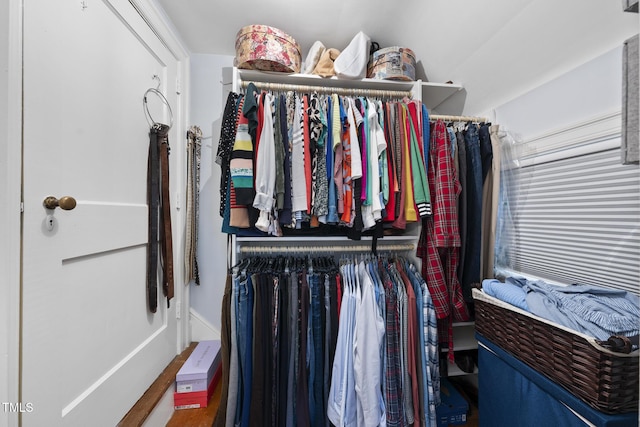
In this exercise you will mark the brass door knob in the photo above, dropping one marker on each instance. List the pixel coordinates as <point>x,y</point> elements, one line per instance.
<point>65,203</point>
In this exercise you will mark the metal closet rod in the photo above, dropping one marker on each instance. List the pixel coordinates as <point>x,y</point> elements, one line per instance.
<point>281,87</point>
<point>322,249</point>
<point>458,118</point>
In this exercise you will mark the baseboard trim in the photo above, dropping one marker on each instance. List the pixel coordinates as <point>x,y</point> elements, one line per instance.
<point>201,328</point>
<point>139,413</point>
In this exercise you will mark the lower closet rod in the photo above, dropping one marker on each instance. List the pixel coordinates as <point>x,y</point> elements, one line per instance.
<point>318,249</point>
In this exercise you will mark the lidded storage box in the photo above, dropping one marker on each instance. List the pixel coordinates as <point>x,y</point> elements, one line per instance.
<point>393,63</point>
<point>264,48</point>
<point>197,372</point>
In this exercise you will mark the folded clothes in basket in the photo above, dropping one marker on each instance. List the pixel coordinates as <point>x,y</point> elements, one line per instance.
<point>592,310</point>
<point>508,291</point>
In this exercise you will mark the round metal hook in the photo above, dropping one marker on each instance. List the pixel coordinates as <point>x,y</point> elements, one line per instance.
<point>165,101</point>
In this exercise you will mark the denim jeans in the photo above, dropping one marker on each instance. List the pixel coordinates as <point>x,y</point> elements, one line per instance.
<point>284,344</point>
<point>315,353</point>
<point>293,351</point>
<point>486,151</point>
<point>234,377</point>
<point>471,268</point>
<point>302,384</point>
<point>452,139</point>
<point>327,340</point>
<point>462,200</point>
<point>244,317</point>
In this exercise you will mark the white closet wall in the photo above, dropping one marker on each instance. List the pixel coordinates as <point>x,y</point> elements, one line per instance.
<point>590,90</point>
<point>206,108</point>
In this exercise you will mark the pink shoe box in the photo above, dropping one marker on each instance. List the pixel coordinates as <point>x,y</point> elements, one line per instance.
<point>197,399</point>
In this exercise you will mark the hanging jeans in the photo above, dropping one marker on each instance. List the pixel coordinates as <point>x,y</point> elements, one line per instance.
<point>315,353</point>
<point>462,200</point>
<point>284,346</point>
<point>293,350</point>
<point>244,319</point>
<point>302,392</point>
<point>234,378</point>
<point>471,268</point>
<point>327,346</point>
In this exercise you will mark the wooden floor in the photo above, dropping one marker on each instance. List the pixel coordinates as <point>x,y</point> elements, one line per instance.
<point>181,418</point>
<point>202,417</point>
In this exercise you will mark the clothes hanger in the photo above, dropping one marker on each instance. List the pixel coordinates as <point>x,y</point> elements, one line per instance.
<point>241,265</point>
<point>246,267</point>
<point>345,273</point>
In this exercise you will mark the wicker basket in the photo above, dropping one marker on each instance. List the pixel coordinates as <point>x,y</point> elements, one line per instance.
<point>605,380</point>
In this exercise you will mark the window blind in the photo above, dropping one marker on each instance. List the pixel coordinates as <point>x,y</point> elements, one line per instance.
<point>574,216</point>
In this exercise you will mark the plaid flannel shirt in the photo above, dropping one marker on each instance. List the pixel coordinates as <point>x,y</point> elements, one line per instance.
<point>440,239</point>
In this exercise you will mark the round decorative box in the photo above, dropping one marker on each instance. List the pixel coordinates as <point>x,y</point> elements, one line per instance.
<point>260,47</point>
<point>393,63</point>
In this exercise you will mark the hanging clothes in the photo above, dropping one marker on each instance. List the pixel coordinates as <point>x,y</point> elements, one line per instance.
<point>471,267</point>
<point>225,144</point>
<point>265,171</point>
<point>490,192</point>
<point>312,340</point>
<point>342,164</point>
<point>440,239</point>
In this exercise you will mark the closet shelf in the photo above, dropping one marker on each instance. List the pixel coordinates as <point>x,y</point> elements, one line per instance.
<point>434,94</point>
<point>468,346</point>
<point>462,324</point>
<point>454,371</point>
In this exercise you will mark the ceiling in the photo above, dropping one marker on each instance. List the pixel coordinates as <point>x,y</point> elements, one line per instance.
<point>496,49</point>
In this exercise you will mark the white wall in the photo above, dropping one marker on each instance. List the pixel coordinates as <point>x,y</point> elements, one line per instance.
<point>541,41</point>
<point>586,92</point>
<point>206,108</point>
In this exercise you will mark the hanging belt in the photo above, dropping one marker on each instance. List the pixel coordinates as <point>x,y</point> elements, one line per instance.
<point>194,142</point>
<point>159,216</point>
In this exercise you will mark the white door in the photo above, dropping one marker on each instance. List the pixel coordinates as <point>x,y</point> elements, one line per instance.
<point>90,347</point>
